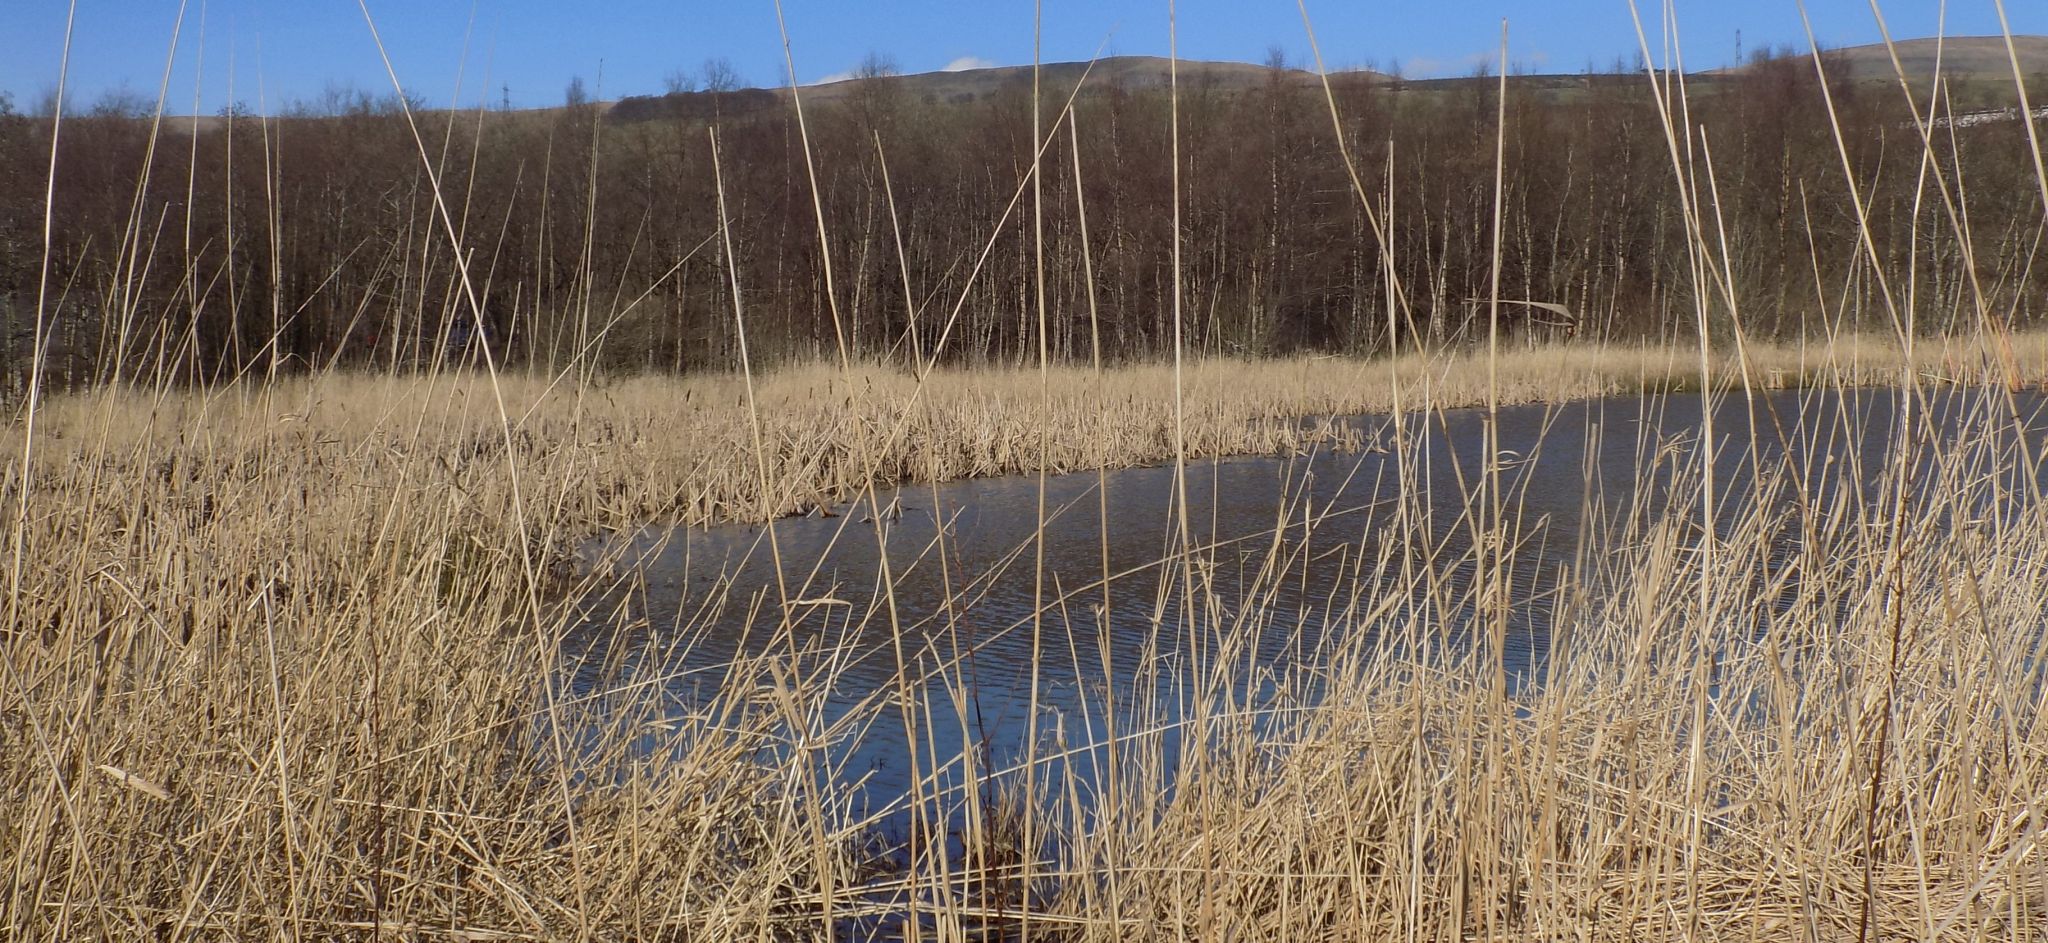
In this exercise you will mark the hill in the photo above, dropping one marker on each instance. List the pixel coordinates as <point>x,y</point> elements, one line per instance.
<point>1962,58</point>
<point>1135,73</point>
<point>1979,62</point>
<point>1131,72</point>
<point>1974,61</point>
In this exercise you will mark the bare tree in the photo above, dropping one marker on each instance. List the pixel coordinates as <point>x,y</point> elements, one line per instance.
<point>1285,257</point>
<point>121,101</point>
<point>45,103</point>
<point>720,76</point>
<point>876,65</point>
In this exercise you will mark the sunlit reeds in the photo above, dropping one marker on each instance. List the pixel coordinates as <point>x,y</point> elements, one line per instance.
<point>286,658</point>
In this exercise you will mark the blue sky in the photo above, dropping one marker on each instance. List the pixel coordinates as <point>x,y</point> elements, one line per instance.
<point>281,51</point>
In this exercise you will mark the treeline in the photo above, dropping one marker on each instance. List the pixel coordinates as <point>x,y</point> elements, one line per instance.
<point>244,244</point>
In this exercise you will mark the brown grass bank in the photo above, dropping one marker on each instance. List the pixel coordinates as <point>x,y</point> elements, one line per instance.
<point>638,450</point>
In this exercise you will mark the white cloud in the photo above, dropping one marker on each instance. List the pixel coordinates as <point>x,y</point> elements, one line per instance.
<point>846,76</point>
<point>965,63</point>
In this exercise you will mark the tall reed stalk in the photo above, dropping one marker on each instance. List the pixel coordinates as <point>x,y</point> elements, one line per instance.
<point>373,655</point>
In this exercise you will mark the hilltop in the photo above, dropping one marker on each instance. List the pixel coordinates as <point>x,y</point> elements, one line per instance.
<point>1131,73</point>
<point>1978,62</point>
<point>1967,60</point>
<point>1962,59</point>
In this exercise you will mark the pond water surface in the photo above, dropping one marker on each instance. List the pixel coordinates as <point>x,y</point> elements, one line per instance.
<point>1295,556</point>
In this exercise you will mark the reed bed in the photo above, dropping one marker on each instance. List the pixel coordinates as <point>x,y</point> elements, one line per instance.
<point>625,452</point>
<point>285,662</point>
<point>331,657</point>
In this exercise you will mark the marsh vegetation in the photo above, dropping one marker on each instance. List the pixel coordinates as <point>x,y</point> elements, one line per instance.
<point>472,638</point>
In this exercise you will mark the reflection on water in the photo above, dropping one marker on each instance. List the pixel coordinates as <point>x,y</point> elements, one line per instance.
<point>1297,561</point>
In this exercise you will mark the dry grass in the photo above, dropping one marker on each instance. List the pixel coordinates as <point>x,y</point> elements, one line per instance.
<point>279,666</point>
<point>290,661</point>
<point>636,450</point>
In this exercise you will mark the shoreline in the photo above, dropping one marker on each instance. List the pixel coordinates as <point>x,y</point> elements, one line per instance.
<point>679,450</point>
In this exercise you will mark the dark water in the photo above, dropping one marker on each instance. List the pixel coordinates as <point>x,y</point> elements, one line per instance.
<point>1294,555</point>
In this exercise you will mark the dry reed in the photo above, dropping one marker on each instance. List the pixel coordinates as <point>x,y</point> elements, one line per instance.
<point>282,662</point>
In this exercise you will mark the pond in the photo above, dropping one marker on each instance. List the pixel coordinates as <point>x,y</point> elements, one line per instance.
<point>981,613</point>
